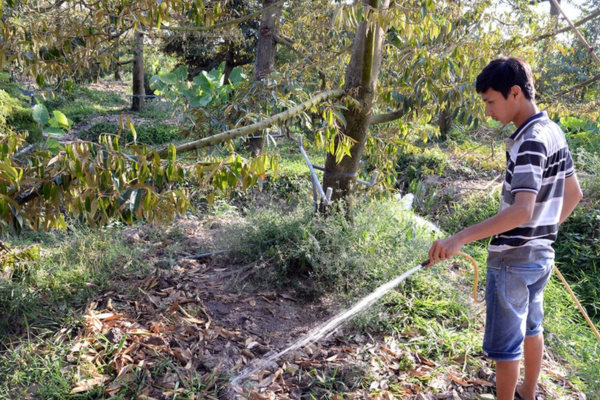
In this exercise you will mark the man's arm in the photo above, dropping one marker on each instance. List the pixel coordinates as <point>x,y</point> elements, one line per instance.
<point>573,196</point>
<point>520,212</point>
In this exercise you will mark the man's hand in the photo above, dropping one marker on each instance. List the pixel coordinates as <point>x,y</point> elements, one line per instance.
<point>443,249</point>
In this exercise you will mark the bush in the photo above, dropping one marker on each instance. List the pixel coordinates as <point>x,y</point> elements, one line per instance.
<point>318,254</point>
<point>578,256</point>
<point>416,165</point>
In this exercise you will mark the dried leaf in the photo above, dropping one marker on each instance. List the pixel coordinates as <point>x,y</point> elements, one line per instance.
<point>88,384</point>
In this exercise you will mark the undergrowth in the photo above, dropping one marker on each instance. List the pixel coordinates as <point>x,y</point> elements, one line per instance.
<point>318,254</point>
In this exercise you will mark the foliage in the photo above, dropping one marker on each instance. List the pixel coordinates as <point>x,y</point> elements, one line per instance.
<point>56,125</point>
<point>318,254</point>
<point>146,132</point>
<point>578,256</point>
<point>98,182</point>
<point>582,133</point>
<point>203,51</point>
<point>207,88</point>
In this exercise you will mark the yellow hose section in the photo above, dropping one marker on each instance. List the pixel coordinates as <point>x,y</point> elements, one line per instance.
<point>476,267</point>
<point>590,323</point>
<point>562,278</point>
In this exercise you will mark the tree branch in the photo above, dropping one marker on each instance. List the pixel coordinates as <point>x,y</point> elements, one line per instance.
<point>579,85</point>
<point>567,28</point>
<point>121,63</point>
<point>226,23</point>
<point>259,126</point>
<point>388,117</point>
<point>287,42</point>
<point>579,35</point>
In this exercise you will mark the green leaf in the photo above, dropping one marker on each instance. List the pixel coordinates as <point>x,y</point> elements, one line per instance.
<point>39,80</point>
<point>236,76</point>
<point>204,82</point>
<point>133,132</point>
<point>40,114</point>
<point>12,173</point>
<point>167,77</point>
<point>54,131</point>
<point>61,118</point>
<point>181,73</point>
<point>201,101</point>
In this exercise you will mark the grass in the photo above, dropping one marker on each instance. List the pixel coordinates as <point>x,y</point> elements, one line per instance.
<point>71,268</point>
<point>315,255</point>
<point>147,132</point>
<point>83,103</point>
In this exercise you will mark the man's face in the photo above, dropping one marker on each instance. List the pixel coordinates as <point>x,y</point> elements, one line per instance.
<point>499,108</point>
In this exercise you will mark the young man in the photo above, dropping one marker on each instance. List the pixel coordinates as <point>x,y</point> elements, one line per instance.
<point>540,191</point>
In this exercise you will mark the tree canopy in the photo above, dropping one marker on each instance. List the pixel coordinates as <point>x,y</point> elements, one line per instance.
<point>356,76</point>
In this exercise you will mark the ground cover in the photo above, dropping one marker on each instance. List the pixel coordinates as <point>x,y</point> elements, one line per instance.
<point>135,312</point>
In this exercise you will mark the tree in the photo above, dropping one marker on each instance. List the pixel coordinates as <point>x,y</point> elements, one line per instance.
<point>138,72</point>
<point>405,64</point>
<point>265,58</point>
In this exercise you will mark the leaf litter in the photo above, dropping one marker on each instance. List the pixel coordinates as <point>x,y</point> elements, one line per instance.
<point>185,332</point>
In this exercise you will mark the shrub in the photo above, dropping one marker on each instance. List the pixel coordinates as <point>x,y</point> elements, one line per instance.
<point>578,256</point>
<point>318,254</point>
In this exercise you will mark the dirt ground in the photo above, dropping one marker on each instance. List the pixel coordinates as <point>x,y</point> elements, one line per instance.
<point>190,327</point>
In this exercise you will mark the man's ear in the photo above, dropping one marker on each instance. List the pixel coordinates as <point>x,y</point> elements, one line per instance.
<point>515,91</point>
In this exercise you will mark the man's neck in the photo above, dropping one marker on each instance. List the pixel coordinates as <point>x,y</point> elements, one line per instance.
<point>528,110</point>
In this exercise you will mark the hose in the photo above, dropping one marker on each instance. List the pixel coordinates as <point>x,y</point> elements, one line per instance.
<point>562,278</point>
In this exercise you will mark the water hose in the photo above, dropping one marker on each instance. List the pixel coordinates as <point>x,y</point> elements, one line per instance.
<point>476,267</point>
<point>562,278</point>
<point>589,321</point>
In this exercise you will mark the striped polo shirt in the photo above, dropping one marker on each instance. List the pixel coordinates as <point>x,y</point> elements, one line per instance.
<point>538,161</point>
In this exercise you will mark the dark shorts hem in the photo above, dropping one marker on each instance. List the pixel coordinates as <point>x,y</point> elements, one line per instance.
<point>500,356</point>
<point>534,332</point>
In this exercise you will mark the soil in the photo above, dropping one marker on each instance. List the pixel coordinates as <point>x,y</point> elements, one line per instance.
<point>196,315</point>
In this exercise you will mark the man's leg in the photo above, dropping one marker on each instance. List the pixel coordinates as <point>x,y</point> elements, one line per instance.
<point>507,375</point>
<point>534,351</point>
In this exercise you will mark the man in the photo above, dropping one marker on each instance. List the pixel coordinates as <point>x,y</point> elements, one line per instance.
<point>540,191</point>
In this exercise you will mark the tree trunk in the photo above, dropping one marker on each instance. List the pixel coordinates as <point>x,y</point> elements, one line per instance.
<point>445,122</point>
<point>138,73</point>
<point>229,64</point>
<point>361,83</point>
<point>265,58</point>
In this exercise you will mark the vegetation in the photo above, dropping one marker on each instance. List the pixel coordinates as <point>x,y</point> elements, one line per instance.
<point>106,214</point>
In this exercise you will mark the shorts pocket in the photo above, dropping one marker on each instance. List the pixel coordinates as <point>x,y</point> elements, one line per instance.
<point>517,281</point>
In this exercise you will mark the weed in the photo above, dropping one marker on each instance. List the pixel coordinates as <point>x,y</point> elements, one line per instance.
<point>469,211</point>
<point>318,254</point>
<point>46,293</point>
<point>414,166</point>
<point>578,256</point>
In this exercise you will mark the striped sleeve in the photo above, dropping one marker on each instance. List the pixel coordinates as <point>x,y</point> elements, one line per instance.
<point>529,167</point>
<point>570,166</point>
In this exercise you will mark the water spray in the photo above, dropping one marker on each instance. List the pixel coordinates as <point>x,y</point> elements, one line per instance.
<point>325,329</point>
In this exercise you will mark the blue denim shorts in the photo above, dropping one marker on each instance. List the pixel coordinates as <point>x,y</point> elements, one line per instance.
<point>514,299</point>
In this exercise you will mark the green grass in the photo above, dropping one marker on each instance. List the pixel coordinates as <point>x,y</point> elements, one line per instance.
<point>324,254</point>
<point>83,103</point>
<point>147,132</point>
<point>72,266</point>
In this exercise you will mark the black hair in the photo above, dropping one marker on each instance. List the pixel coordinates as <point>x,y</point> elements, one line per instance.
<point>503,73</point>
